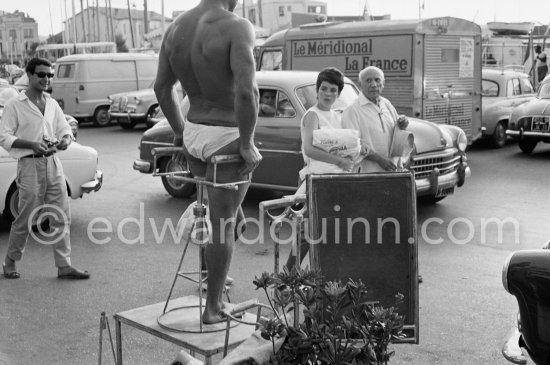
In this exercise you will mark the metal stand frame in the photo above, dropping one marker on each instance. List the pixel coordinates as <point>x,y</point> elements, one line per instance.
<point>199,227</point>
<point>269,208</point>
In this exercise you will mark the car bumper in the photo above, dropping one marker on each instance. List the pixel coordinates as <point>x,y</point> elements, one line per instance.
<point>441,185</point>
<point>93,185</point>
<point>521,134</point>
<point>143,166</point>
<point>126,117</point>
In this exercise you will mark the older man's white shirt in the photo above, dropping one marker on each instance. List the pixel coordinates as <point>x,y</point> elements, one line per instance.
<point>375,125</point>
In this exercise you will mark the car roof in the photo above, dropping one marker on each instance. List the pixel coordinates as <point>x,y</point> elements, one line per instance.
<point>495,72</point>
<point>106,56</point>
<point>294,78</point>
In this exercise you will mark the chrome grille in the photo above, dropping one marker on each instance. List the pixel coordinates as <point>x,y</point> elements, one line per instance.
<point>122,103</point>
<point>423,166</point>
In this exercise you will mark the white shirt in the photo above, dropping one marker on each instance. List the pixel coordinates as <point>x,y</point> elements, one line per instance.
<point>22,119</point>
<point>375,124</point>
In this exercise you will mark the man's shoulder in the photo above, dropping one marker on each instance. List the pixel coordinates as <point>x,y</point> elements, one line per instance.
<point>386,102</point>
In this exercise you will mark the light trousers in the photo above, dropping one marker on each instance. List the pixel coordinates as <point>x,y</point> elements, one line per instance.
<point>42,190</point>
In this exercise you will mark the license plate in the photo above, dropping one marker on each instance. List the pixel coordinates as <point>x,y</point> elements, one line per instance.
<point>540,124</point>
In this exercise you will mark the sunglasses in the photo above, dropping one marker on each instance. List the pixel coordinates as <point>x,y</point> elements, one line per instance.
<point>41,75</point>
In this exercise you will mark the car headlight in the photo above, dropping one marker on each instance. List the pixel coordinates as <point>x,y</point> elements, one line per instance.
<point>462,141</point>
<point>137,100</point>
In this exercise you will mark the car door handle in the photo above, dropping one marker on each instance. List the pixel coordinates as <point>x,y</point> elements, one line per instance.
<point>259,144</point>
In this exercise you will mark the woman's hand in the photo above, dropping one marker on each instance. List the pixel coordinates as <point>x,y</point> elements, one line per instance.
<point>346,164</point>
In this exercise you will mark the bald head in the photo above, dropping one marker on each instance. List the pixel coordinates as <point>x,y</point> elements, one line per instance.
<point>371,81</point>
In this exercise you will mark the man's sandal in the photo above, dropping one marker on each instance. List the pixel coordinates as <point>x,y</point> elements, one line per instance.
<point>10,273</point>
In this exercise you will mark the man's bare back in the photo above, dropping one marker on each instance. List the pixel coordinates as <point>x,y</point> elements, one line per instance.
<point>209,50</point>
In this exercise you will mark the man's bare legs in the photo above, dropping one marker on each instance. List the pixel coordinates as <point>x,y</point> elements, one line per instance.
<point>223,205</point>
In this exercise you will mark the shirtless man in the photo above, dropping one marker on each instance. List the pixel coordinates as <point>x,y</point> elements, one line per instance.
<point>209,50</point>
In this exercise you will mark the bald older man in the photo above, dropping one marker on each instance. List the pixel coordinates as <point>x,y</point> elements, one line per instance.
<point>375,118</point>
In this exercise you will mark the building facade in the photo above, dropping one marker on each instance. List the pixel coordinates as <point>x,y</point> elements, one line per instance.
<point>275,15</point>
<point>98,24</point>
<point>18,32</point>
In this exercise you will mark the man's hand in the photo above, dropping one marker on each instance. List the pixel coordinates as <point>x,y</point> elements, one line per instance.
<point>179,157</point>
<point>40,148</point>
<point>267,110</point>
<point>385,163</point>
<point>251,157</point>
<point>402,122</point>
<point>64,143</point>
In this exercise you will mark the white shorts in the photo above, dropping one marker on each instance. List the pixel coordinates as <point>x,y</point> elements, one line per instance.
<point>202,141</point>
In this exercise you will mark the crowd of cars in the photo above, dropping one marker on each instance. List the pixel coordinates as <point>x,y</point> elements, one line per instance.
<point>511,109</point>
<point>439,158</point>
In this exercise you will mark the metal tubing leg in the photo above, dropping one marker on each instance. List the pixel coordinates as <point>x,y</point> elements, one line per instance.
<point>118,331</point>
<point>101,327</point>
<point>178,270</point>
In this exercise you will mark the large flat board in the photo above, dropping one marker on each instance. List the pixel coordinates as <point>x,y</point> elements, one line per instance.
<point>364,227</point>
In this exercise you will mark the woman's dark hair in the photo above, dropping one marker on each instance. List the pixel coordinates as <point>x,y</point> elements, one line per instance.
<point>331,75</point>
<point>37,61</point>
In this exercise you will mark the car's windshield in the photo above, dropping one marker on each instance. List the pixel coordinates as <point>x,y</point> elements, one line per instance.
<point>544,91</point>
<point>308,96</point>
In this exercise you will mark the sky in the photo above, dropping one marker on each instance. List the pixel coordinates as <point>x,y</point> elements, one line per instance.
<point>50,13</point>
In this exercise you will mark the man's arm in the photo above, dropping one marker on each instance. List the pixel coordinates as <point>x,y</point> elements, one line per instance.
<point>166,96</point>
<point>246,91</point>
<point>8,128</point>
<point>63,130</point>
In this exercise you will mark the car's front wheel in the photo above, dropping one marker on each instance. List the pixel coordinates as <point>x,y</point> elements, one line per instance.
<point>429,199</point>
<point>11,209</point>
<point>498,139</point>
<point>101,117</point>
<point>176,188</point>
<point>150,114</point>
<point>527,145</point>
<point>130,125</point>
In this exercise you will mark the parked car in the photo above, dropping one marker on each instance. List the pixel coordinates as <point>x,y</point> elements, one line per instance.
<point>530,122</point>
<point>79,164</point>
<point>439,159</point>
<point>133,107</point>
<point>83,82</point>
<point>502,91</point>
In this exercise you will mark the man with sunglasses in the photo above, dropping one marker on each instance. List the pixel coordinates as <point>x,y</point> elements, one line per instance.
<point>33,127</point>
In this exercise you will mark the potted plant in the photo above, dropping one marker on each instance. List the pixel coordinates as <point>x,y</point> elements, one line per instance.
<point>337,325</point>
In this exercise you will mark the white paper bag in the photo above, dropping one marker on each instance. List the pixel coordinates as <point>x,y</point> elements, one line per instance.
<point>341,142</point>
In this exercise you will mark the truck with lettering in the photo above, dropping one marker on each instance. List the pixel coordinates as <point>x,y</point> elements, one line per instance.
<point>432,67</point>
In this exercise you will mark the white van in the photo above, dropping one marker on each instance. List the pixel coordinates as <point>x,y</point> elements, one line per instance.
<point>83,82</point>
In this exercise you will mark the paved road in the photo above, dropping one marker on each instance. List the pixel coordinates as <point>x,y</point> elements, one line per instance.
<point>464,312</point>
